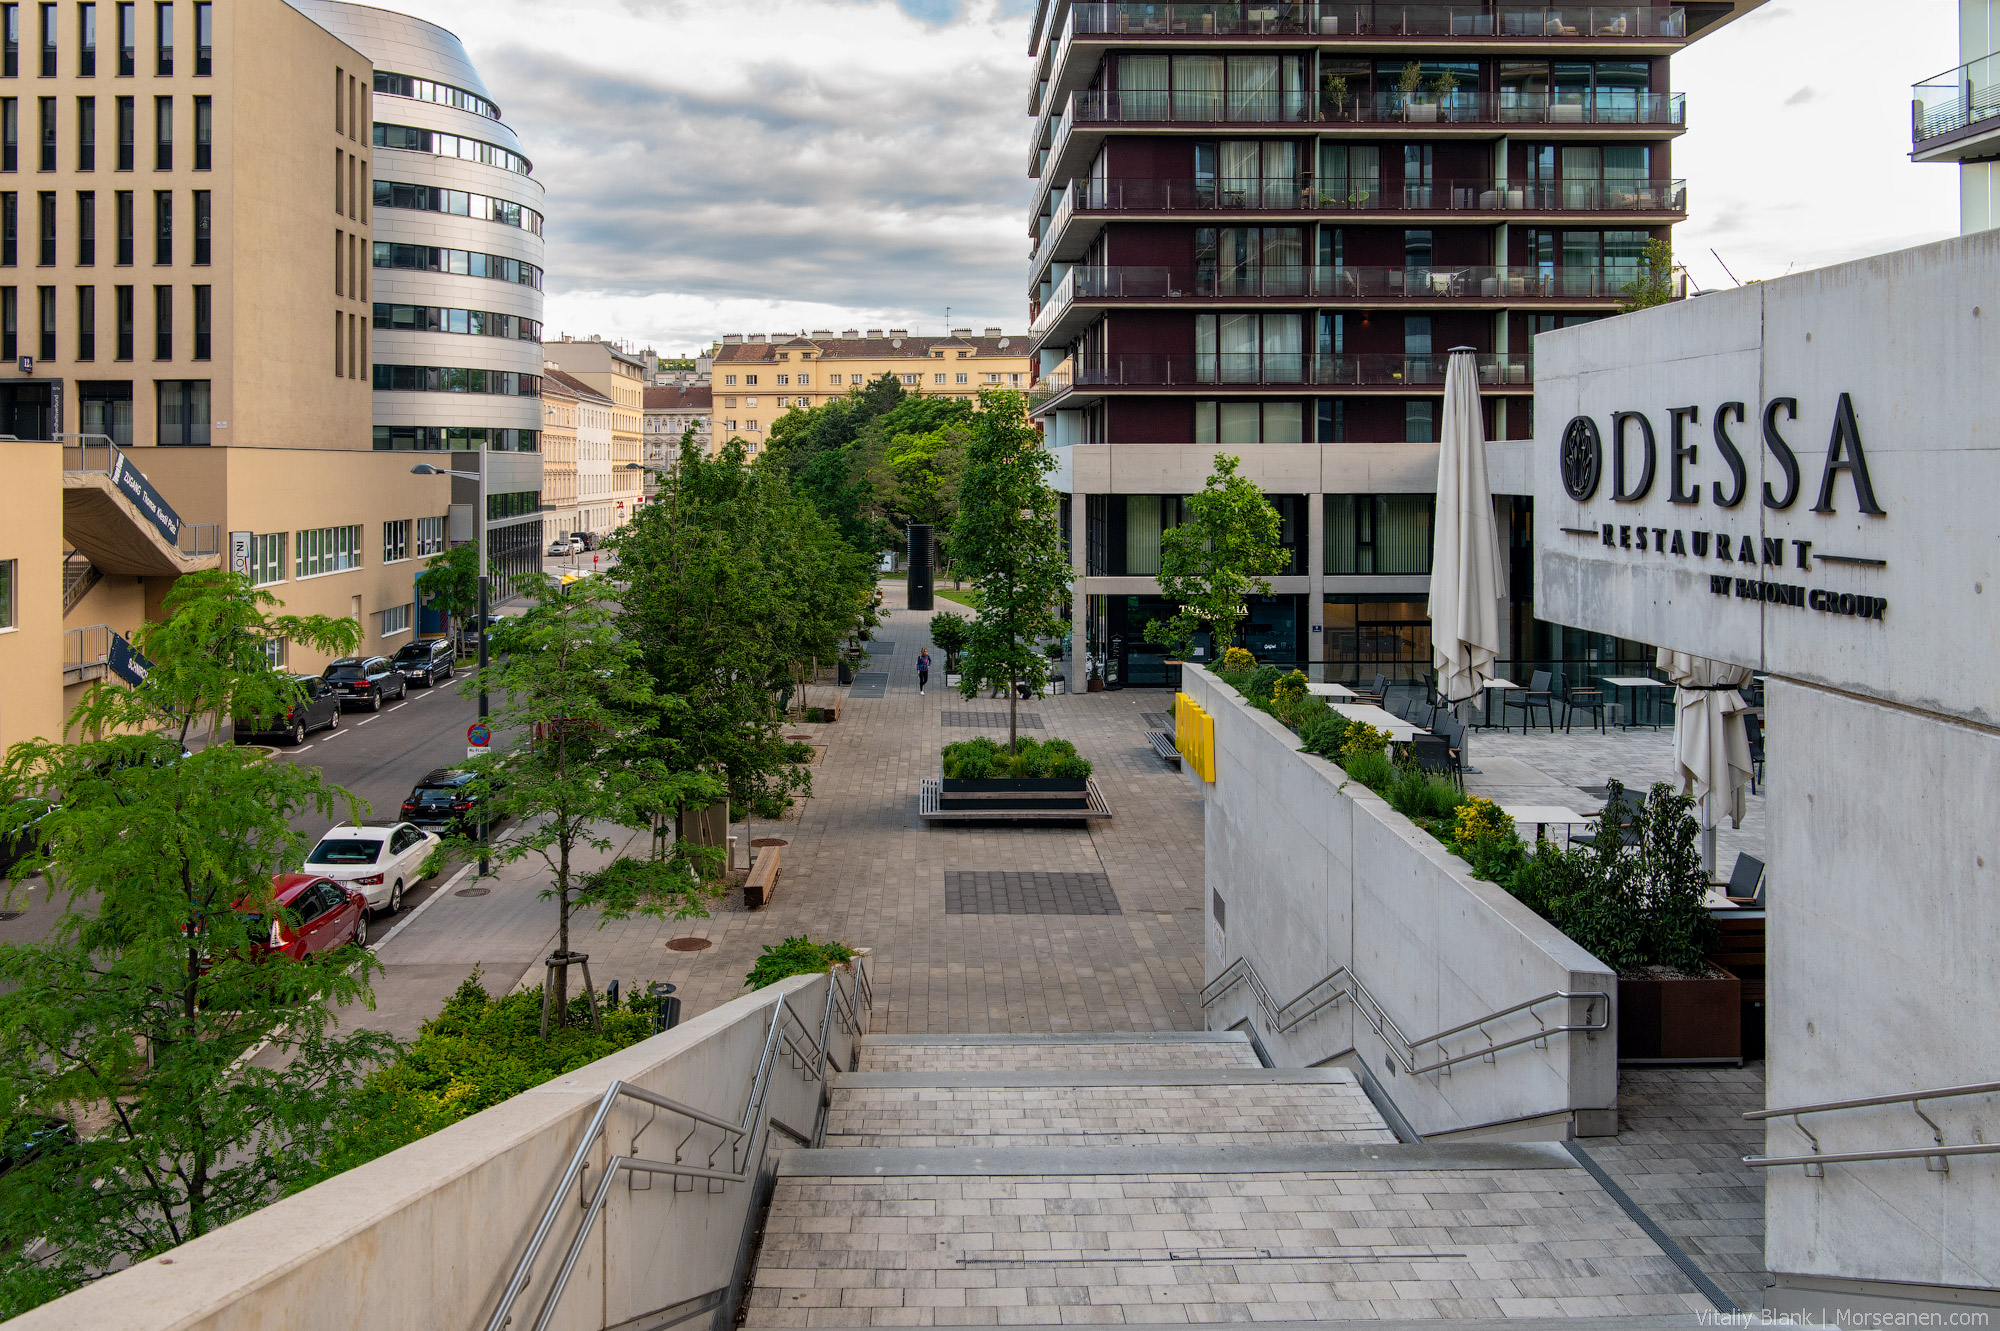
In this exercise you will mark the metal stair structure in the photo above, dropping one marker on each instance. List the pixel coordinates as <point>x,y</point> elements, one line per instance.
<point>1168,1178</point>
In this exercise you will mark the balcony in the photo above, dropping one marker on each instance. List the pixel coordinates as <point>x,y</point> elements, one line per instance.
<point>1479,284</point>
<point>1159,199</point>
<point>1210,372</point>
<point>1955,116</point>
<point>113,517</point>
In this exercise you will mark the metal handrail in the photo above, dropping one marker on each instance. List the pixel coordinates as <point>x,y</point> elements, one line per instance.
<point>1939,1152</point>
<point>743,1137</point>
<point>1385,1027</point>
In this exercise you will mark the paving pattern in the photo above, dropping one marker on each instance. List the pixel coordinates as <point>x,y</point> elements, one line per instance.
<point>989,720</point>
<point>1008,892</point>
<point>891,1054</point>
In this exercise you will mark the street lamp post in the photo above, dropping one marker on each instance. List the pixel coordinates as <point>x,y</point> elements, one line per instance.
<point>479,535</point>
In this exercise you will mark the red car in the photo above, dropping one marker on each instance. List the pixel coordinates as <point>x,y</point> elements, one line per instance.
<point>328,916</point>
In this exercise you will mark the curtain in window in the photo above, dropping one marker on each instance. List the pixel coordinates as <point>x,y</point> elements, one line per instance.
<point>1142,535</point>
<point>1205,348</point>
<point>1284,423</point>
<point>1293,74</point>
<point>1284,258</point>
<point>1284,348</point>
<point>1241,183</point>
<point>1281,173</point>
<point>1204,423</point>
<point>1403,533</point>
<point>1142,87</point>
<point>1253,87</point>
<point>1340,534</point>
<point>1350,173</point>
<point>1198,87</point>
<point>1239,423</point>
<point>1238,346</point>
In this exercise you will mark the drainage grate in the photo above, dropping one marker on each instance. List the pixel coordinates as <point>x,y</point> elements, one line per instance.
<point>880,647</point>
<point>870,684</point>
<point>989,720</point>
<point>1010,892</point>
<point>1154,720</point>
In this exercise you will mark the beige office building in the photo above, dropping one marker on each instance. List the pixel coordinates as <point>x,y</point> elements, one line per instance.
<point>184,303</point>
<point>758,379</point>
<point>620,378</point>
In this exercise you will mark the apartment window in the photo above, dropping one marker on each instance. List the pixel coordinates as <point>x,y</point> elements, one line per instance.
<point>46,108</point>
<point>964,378</point>
<point>1379,533</point>
<point>163,133</point>
<point>184,417</point>
<point>267,558</point>
<point>339,263</point>
<point>86,133</point>
<point>122,202</point>
<point>164,17</point>
<point>750,425</point>
<point>10,323</point>
<point>395,540</point>
<point>48,41</point>
<point>395,620</point>
<point>339,345</point>
<point>7,570</point>
<point>10,228</point>
<point>163,227</point>
<point>992,378</point>
<point>163,323</point>
<point>1226,422</point>
<point>729,379</point>
<point>204,133</point>
<point>911,380</point>
<point>276,652</point>
<point>128,41</point>
<point>10,133</point>
<point>833,379</point>
<point>750,380</point>
<point>514,504</point>
<point>45,234</point>
<point>430,536</point>
<point>202,315</point>
<point>202,227</point>
<point>122,297</point>
<point>784,380</point>
<point>46,305</point>
<point>204,39</point>
<point>326,550</point>
<point>86,51</point>
<point>106,406</point>
<point>1420,422</point>
<point>10,55</point>
<point>937,378</point>
<point>86,323</point>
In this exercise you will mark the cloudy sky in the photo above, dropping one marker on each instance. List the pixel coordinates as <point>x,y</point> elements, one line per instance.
<point>759,165</point>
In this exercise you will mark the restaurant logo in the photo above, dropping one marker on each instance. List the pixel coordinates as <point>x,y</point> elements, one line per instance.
<point>1582,458</point>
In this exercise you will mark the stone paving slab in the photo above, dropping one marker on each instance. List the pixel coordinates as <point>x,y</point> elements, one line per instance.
<point>1193,1052</point>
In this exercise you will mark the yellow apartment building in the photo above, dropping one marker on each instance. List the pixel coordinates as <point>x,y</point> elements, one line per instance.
<point>559,412</point>
<point>758,379</point>
<point>621,377</point>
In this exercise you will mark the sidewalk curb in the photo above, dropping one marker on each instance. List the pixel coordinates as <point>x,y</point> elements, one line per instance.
<point>411,918</point>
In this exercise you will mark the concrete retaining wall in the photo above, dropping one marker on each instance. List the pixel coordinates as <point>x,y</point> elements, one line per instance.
<point>1317,872</point>
<point>426,1237</point>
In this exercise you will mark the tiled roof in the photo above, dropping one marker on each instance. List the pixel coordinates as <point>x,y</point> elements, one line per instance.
<point>680,397</point>
<point>872,348</point>
<point>576,387</point>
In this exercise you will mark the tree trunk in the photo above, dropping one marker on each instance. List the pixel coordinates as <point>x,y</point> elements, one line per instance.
<point>1013,716</point>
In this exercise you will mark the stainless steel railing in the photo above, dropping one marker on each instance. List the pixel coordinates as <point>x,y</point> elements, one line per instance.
<point>744,1137</point>
<point>1936,1157</point>
<point>1339,983</point>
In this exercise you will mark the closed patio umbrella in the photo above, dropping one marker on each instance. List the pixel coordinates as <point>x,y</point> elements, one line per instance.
<point>1465,555</point>
<point>1711,747</point>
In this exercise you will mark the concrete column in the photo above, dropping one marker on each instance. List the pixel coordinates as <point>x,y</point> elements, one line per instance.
<point>1316,597</point>
<point>1079,656</point>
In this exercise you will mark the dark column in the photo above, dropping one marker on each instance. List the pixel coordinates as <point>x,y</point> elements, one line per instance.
<point>922,569</point>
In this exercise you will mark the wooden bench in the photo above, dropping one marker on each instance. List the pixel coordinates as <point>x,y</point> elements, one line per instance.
<point>762,883</point>
<point>1163,744</point>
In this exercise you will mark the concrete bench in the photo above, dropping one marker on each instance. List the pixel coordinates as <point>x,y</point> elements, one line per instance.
<point>762,883</point>
<point>1163,744</point>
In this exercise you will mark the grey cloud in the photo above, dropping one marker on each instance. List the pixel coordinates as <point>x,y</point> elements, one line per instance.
<point>1801,97</point>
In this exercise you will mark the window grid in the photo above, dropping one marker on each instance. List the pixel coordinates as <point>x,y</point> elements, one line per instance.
<point>430,536</point>
<point>395,540</point>
<point>86,323</point>
<point>395,620</point>
<point>321,550</point>
<point>267,558</point>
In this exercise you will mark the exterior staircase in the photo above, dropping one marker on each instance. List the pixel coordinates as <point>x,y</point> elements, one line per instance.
<point>1167,1179</point>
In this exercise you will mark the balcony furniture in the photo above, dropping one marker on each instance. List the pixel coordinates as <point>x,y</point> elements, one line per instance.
<point>1631,684</point>
<point>1537,694</point>
<point>1575,700</point>
<point>1745,888</point>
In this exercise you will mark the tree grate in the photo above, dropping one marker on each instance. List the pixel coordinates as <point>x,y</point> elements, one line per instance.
<point>870,684</point>
<point>1013,892</point>
<point>989,720</point>
<point>1154,720</point>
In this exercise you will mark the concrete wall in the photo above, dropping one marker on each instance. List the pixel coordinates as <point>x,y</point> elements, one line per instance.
<point>1318,872</point>
<point>426,1237</point>
<point>31,645</point>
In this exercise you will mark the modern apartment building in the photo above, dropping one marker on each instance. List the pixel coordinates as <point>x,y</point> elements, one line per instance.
<point>454,279</point>
<point>672,411</point>
<point>758,379</point>
<point>1955,116</point>
<point>1260,228</point>
<point>609,430</point>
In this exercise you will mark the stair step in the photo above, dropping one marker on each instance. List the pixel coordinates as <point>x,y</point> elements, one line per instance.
<point>1121,1107</point>
<point>1129,1049</point>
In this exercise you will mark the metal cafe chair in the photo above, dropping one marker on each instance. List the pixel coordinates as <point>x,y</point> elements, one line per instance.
<point>1537,694</point>
<point>1575,700</point>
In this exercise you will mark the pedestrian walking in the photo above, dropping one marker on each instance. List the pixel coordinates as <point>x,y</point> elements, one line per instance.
<point>923,671</point>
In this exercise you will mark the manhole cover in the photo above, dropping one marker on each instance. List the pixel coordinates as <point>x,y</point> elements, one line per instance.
<point>688,944</point>
<point>770,841</point>
<point>472,891</point>
<point>798,739</point>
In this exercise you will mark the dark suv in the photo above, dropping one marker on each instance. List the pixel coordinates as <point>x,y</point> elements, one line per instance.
<point>428,661</point>
<point>442,802</point>
<point>321,707</point>
<point>364,681</point>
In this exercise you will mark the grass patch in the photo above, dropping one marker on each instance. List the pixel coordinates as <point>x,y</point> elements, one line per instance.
<point>966,597</point>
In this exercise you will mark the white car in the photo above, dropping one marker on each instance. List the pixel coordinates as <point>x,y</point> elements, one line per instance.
<point>381,860</point>
<point>565,545</point>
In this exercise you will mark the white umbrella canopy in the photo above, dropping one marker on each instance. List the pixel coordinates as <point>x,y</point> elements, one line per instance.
<point>1465,555</point>
<point>1711,746</point>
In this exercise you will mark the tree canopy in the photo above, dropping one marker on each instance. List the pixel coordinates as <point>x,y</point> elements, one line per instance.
<point>1224,551</point>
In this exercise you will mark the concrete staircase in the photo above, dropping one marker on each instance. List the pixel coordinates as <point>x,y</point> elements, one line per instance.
<point>1169,1179</point>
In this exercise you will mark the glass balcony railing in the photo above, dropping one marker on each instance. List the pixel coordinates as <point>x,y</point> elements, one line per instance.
<point>1278,369</point>
<point>1276,18</point>
<point>1341,283</point>
<point>1955,100</point>
<point>1604,106</point>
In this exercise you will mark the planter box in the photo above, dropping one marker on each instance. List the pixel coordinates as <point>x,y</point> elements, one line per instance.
<point>1012,792</point>
<point>1680,1021</point>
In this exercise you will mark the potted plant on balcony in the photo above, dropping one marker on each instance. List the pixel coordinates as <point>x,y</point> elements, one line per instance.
<point>1333,97</point>
<point>980,773</point>
<point>1411,85</point>
<point>1441,90</point>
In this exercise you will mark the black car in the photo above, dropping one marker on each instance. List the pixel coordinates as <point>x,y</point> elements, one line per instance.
<point>364,681</point>
<point>321,708</point>
<point>443,802</point>
<point>429,661</point>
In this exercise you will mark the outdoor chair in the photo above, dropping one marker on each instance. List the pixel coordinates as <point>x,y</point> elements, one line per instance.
<point>1452,731</point>
<point>1537,694</point>
<point>1374,693</point>
<point>1575,700</point>
<point>1753,730</point>
<point>1745,887</point>
<point>1618,817</point>
<point>1433,755</point>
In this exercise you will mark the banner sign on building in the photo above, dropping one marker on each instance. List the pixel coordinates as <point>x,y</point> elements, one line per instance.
<point>126,663</point>
<point>239,552</point>
<point>129,481</point>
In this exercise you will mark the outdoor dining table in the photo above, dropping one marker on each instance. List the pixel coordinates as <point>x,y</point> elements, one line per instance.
<point>1329,691</point>
<point>1394,726</point>
<point>1632,684</point>
<point>1541,815</point>
<point>1493,685</point>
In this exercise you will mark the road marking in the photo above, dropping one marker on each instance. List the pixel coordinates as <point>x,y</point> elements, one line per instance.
<point>425,905</point>
<point>363,723</point>
<point>334,734</point>
<point>303,747</point>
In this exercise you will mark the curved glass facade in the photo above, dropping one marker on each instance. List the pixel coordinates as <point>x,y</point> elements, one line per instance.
<point>455,379</point>
<point>416,139</point>
<point>455,439</point>
<point>458,203</point>
<point>429,90</point>
<point>476,323</point>
<point>463,263</point>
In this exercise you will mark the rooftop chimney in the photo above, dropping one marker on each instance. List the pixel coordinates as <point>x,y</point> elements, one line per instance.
<point>992,332</point>
<point>850,332</point>
<point>961,332</point>
<point>899,332</point>
<point>756,337</point>
<point>822,332</point>
<point>874,332</point>
<point>732,339</point>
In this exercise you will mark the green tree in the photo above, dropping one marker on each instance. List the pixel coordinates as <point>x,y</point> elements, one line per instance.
<point>579,708</point>
<point>1010,543</point>
<point>1223,552</point>
<point>732,587</point>
<point>915,478</point>
<point>449,583</point>
<point>1654,283</point>
<point>136,1017</point>
<point>950,632</point>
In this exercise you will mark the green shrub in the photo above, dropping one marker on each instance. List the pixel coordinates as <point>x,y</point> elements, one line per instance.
<point>1289,688</point>
<point>1263,680</point>
<point>1238,659</point>
<point>1325,734</point>
<point>1417,794</point>
<point>1371,767</point>
<point>1360,740</point>
<point>795,956</point>
<point>980,757</point>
